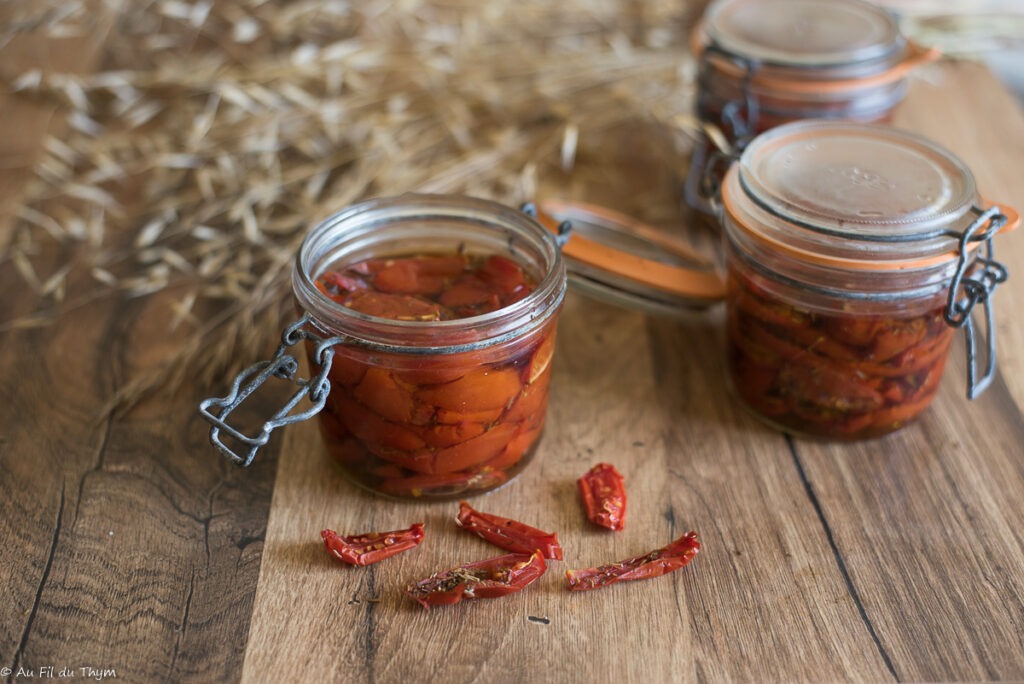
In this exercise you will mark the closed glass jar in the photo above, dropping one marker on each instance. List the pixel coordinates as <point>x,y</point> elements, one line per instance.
<point>432,408</point>
<point>763,63</point>
<point>768,62</point>
<point>843,243</point>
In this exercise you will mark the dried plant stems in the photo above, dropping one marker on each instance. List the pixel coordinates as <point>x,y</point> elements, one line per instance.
<point>216,134</point>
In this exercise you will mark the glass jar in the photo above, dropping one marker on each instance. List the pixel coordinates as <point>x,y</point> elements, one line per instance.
<point>763,63</point>
<point>422,408</point>
<point>853,250</point>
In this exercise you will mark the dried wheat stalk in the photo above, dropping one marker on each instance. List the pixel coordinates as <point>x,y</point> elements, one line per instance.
<point>216,134</point>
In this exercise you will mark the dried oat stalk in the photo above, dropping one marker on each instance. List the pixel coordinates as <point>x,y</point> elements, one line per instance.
<point>215,134</point>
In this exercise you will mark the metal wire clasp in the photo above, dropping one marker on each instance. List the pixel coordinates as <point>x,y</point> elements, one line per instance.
<point>564,228</point>
<point>740,116</point>
<point>739,119</point>
<point>977,279</point>
<point>282,365</point>
<point>703,188</point>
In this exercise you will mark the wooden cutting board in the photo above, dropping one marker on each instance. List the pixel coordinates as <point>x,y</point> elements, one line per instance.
<point>899,558</point>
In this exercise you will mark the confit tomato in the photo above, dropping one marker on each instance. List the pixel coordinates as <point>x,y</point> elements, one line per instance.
<point>435,425</point>
<point>838,375</point>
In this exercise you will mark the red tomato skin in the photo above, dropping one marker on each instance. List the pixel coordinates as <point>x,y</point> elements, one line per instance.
<point>602,490</point>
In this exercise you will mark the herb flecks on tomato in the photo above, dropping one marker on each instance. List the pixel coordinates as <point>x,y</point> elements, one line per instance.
<point>490,578</point>
<point>603,492</point>
<point>372,547</point>
<point>652,564</point>
<point>508,534</point>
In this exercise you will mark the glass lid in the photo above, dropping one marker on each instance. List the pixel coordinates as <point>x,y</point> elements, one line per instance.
<point>616,258</point>
<point>803,33</point>
<point>882,189</point>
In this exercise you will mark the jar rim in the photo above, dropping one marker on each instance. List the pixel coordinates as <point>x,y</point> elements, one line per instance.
<point>806,34</point>
<point>786,71</point>
<point>855,196</point>
<point>428,337</point>
<point>892,194</point>
<point>747,222</point>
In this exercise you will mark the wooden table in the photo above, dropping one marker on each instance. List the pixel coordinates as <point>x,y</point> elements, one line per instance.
<point>130,547</point>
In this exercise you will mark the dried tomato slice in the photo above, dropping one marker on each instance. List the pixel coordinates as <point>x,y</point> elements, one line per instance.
<point>653,564</point>
<point>508,534</point>
<point>604,496</point>
<point>365,549</point>
<point>488,578</point>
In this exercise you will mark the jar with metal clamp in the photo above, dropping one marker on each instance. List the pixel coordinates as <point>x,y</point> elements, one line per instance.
<point>429,323</point>
<point>853,253</point>
<point>763,63</point>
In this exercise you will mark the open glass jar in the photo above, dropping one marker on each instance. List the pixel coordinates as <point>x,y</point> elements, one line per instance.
<point>763,63</point>
<point>853,251</point>
<point>430,326</point>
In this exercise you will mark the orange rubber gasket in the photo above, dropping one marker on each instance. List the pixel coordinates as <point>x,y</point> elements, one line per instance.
<point>677,280</point>
<point>728,203</point>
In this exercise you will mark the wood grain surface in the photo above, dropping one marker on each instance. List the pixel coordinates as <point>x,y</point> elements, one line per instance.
<point>131,546</point>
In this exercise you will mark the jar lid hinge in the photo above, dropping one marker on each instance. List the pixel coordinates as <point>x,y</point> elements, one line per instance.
<point>285,366</point>
<point>741,115</point>
<point>977,288</point>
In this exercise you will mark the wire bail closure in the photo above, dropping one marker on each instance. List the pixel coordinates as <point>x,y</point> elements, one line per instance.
<point>564,228</point>
<point>703,188</point>
<point>978,287</point>
<point>285,366</point>
<point>741,116</point>
<point>704,180</point>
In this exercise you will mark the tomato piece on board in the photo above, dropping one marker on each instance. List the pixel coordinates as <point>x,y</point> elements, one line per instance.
<point>508,534</point>
<point>652,564</point>
<point>364,549</point>
<point>488,578</point>
<point>603,491</point>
